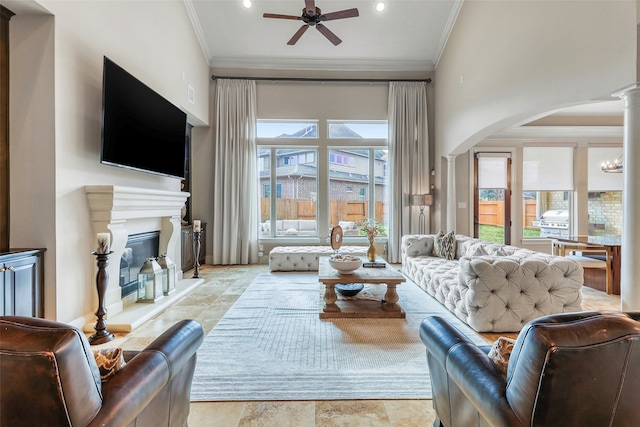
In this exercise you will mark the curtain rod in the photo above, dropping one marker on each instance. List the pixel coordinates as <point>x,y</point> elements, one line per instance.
<point>304,79</point>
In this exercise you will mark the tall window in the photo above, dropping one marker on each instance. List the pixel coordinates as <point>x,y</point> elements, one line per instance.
<point>547,184</point>
<point>354,162</point>
<point>295,174</point>
<point>604,192</point>
<point>365,173</point>
<point>492,201</point>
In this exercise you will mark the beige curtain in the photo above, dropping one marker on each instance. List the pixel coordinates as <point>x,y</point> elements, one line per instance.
<point>408,159</point>
<point>235,209</point>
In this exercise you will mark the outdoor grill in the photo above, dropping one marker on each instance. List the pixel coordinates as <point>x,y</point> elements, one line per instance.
<point>554,223</point>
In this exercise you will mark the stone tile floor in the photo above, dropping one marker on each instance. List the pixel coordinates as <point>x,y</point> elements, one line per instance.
<point>209,302</point>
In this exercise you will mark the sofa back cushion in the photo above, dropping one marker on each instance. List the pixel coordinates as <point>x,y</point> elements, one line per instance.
<point>49,374</point>
<point>306,225</point>
<point>417,245</point>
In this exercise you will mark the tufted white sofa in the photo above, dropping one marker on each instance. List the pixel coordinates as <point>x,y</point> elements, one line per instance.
<point>305,258</point>
<point>291,227</point>
<point>497,292</point>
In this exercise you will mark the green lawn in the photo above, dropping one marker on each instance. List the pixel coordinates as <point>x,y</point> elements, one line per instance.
<point>494,233</point>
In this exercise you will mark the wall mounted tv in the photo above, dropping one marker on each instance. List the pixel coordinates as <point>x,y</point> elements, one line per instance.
<point>141,130</point>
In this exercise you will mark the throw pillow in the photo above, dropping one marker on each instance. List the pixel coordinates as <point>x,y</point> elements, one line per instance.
<point>110,361</point>
<point>501,351</point>
<point>444,245</point>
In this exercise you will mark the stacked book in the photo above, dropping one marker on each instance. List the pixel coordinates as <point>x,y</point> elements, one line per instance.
<point>375,264</point>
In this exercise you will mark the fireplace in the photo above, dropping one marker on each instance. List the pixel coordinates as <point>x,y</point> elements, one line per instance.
<point>139,247</point>
<point>127,212</point>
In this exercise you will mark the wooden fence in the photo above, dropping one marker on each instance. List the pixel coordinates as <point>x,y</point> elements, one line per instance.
<point>489,212</point>
<point>341,210</point>
<point>492,213</point>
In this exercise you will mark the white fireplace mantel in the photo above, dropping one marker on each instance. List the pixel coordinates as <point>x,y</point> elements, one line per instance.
<point>122,211</point>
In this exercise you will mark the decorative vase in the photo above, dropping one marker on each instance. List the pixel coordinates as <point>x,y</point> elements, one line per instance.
<point>371,252</point>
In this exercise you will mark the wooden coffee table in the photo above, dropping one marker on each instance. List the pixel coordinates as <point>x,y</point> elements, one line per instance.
<point>386,307</point>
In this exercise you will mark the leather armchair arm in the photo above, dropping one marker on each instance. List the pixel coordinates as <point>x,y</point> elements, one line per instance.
<point>129,392</point>
<point>178,343</point>
<point>468,365</point>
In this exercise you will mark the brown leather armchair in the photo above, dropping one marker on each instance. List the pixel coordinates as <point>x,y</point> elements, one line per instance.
<point>573,369</point>
<point>49,377</point>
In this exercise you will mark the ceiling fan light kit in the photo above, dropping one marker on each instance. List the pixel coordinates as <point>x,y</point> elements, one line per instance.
<point>312,16</point>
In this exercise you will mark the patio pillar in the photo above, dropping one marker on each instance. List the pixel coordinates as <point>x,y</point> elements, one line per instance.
<point>630,267</point>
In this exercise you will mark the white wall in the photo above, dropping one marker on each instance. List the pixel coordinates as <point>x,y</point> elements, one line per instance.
<point>506,62</point>
<point>155,42</point>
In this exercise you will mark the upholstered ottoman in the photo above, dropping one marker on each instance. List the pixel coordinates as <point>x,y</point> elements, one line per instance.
<point>305,258</point>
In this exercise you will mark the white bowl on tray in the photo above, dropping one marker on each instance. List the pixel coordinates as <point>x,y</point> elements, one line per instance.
<point>345,264</point>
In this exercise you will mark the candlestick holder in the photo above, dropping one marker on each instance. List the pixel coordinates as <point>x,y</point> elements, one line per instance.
<point>196,253</point>
<point>102,281</point>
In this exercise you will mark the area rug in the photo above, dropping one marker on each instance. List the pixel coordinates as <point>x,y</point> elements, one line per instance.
<point>271,345</point>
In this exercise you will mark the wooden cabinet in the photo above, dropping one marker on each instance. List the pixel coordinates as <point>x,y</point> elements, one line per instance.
<point>5,16</point>
<point>22,282</point>
<point>187,246</point>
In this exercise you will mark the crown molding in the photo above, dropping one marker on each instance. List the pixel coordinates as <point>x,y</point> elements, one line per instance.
<point>320,64</point>
<point>610,134</point>
<point>197,28</point>
<point>446,32</point>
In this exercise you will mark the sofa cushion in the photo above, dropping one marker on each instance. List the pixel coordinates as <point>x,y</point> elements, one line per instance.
<point>477,249</point>
<point>307,225</point>
<point>347,225</point>
<point>444,245</point>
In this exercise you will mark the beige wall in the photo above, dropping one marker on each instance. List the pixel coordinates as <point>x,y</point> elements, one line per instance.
<point>155,42</point>
<point>507,62</point>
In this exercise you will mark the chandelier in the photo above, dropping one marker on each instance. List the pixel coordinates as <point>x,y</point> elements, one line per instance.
<point>613,167</point>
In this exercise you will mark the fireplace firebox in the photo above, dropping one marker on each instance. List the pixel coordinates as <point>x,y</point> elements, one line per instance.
<point>139,247</point>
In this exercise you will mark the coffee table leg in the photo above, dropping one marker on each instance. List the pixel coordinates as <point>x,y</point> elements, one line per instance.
<point>330,298</point>
<point>391,298</point>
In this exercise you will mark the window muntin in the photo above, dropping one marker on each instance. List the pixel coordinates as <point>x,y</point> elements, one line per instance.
<point>287,129</point>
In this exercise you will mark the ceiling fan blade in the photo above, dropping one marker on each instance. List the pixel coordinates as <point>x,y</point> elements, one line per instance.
<point>278,16</point>
<point>310,7</point>
<point>328,34</point>
<point>348,13</point>
<point>297,35</point>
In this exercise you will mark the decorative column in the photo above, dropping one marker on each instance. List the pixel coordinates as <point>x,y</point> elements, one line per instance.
<point>630,268</point>
<point>451,193</point>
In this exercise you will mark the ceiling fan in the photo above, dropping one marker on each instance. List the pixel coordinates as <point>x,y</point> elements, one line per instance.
<point>312,16</point>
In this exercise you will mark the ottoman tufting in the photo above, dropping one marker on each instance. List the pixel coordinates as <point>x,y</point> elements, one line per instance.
<point>305,258</point>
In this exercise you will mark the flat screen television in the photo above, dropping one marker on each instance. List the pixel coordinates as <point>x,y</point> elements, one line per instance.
<point>141,130</point>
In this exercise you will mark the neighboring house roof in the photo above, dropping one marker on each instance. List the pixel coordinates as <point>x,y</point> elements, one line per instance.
<point>311,171</point>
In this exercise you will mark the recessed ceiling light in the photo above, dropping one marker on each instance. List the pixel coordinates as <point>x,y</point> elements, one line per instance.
<point>380,6</point>
<point>247,3</point>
